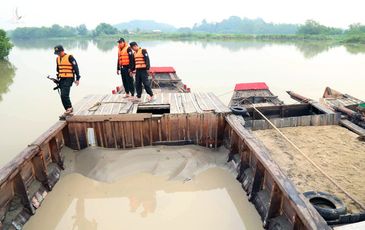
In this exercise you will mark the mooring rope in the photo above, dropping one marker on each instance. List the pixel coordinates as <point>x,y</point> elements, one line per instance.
<point>98,104</point>
<point>310,160</point>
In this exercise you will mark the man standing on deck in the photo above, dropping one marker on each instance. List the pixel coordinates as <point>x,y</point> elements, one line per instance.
<point>67,68</point>
<point>142,66</point>
<point>125,61</point>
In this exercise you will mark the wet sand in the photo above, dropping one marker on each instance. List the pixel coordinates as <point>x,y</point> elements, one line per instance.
<point>335,149</point>
<point>148,188</point>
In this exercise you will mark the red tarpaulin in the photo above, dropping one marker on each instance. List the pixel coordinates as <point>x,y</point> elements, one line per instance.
<point>162,69</point>
<point>251,86</point>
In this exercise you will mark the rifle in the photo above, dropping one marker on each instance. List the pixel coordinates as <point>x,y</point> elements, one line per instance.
<point>56,81</point>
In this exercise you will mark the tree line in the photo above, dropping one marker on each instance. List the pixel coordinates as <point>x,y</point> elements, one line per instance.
<point>232,25</point>
<point>5,45</point>
<point>57,31</point>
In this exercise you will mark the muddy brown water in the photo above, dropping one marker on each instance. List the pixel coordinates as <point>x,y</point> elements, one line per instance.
<point>148,188</point>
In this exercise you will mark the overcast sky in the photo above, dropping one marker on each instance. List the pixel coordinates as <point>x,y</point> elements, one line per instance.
<point>339,13</point>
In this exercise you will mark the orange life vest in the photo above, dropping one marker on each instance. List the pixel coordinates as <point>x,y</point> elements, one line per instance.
<point>65,68</point>
<point>139,59</point>
<point>123,56</point>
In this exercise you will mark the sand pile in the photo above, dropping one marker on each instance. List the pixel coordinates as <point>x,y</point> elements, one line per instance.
<point>335,149</point>
<point>178,163</point>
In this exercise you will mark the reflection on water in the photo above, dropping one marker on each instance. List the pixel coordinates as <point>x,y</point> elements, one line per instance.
<point>355,48</point>
<point>212,200</point>
<point>49,44</point>
<point>309,49</point>
<point>105,44</point>
<point>7,73</point>
<point>312,49</point>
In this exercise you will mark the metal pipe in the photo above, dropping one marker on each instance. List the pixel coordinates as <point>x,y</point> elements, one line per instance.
<point>298,97</point>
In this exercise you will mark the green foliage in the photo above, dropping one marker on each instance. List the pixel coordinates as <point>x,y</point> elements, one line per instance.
<point>312,27</point>
<point>145,26</point>
<point>55,31</point>
<point>236,25</point>
<point>82,30</point>
<point>5,45</point>
<point>105,29</point>
<point>356,28</point>
<point>7,73</point>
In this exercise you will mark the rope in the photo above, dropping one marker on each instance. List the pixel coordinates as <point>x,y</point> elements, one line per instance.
<point>312,162</point>
<point>98,104</point>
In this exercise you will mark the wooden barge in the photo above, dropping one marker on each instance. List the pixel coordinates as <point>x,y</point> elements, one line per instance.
<point>352,110</point>
<point>162,79</point>
<point>174,118</point>
<point>267,113</point>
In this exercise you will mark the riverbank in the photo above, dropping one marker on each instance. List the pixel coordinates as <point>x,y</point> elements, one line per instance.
<point>191,36</point>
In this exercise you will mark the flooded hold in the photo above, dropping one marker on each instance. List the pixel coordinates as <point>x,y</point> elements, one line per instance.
<point>156,188</point>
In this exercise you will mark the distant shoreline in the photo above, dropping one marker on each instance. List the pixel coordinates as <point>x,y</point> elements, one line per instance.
<point>334,39</point>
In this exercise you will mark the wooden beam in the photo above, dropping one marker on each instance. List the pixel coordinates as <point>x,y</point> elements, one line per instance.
<point>353,127</point>
<point>114,117</point>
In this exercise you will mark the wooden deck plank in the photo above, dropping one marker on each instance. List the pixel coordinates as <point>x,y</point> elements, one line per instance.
<point>126,108</point>
<point>188,104</point>
<point>200,102</point>
<point>90,104</point>
<point>208,102</point>
<point>174,107</point>
<point>195,103</point>
<point>100,109</point>
<point>218,103</point>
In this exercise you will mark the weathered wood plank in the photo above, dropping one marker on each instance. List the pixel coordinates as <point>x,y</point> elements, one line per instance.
<point>119,117</point>
<point>353,127</point>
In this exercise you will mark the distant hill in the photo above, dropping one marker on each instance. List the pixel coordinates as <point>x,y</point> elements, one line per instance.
<point>145,25</point>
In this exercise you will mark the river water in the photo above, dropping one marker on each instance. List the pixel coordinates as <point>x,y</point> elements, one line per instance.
<point>28,105</point>
<point>86,198</point>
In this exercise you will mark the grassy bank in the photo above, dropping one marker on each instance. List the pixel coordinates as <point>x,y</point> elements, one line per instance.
<point>344,38</point>
<point>335,39</point>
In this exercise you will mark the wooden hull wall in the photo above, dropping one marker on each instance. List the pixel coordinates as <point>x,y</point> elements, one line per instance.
<point>196,128</point>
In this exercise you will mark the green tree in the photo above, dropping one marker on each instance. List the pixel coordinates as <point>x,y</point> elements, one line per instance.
<point>5,45</point>
<point>82,30</point>
<point>312,27</point>
<point>356,28</point>
<point>7,73</point>
<point>105,29</point>
<point>125,32</point>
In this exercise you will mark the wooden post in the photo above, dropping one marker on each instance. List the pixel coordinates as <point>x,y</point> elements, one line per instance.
<point>274,204</point>
<point>21,190</point>
<point>257,180</point>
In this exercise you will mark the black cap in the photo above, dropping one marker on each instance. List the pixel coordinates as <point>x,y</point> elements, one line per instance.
<point>121,40</point>
<point>58,49</point>
<point>133,44</point>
